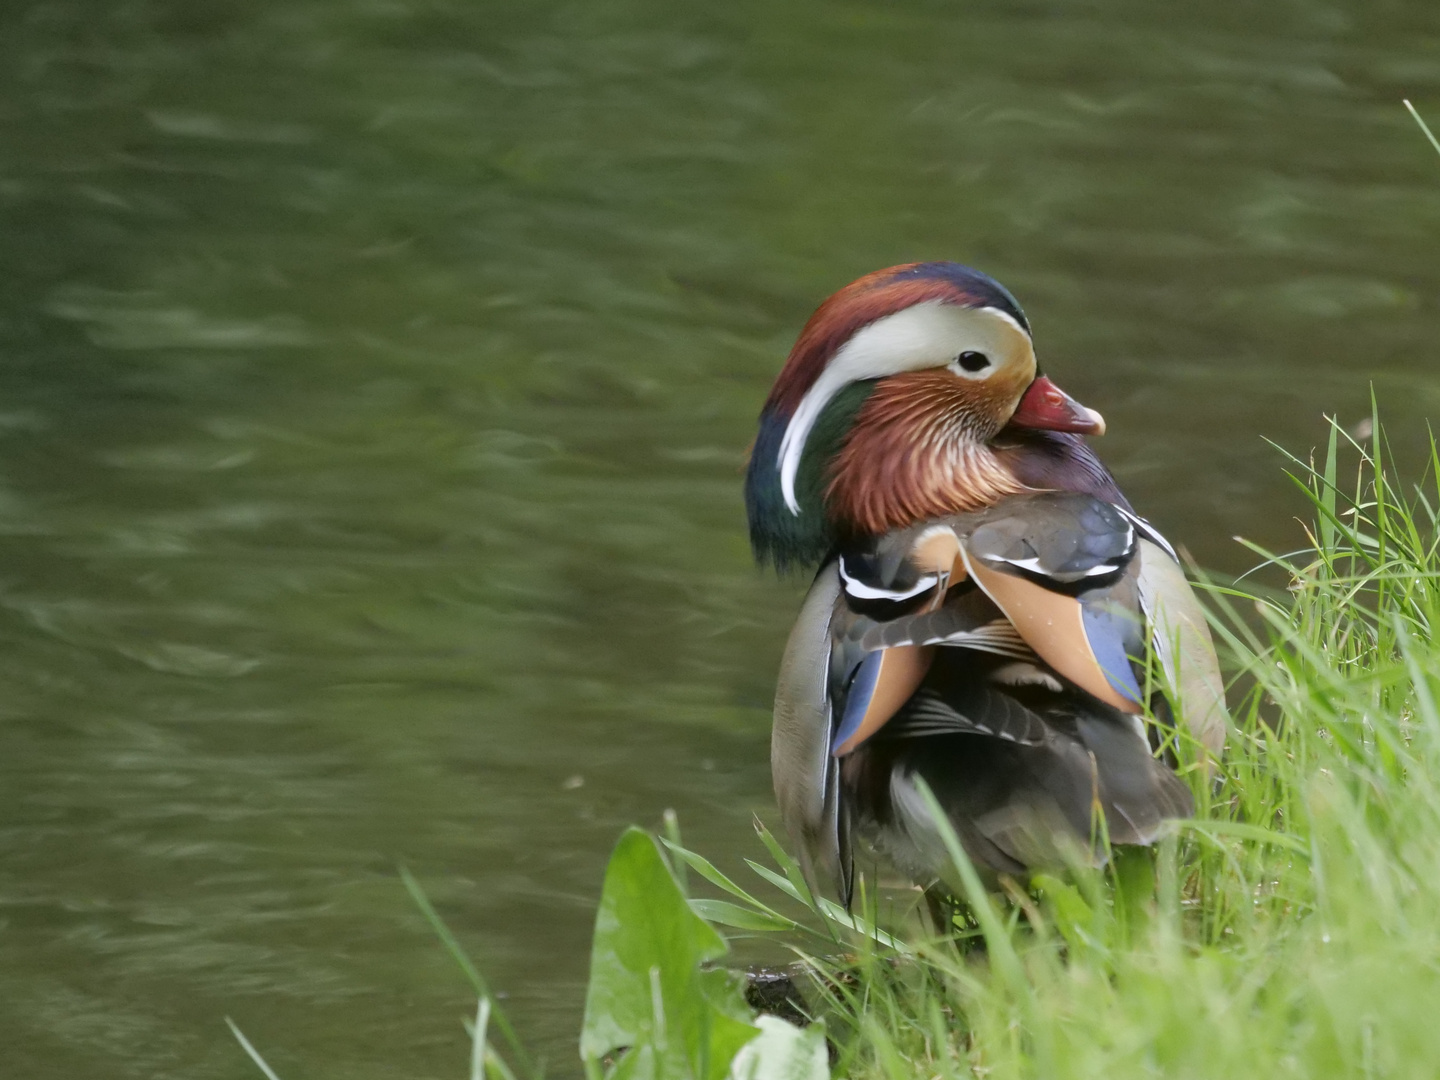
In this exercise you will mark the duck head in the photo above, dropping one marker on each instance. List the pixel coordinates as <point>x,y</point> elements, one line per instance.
<point>885,411</point>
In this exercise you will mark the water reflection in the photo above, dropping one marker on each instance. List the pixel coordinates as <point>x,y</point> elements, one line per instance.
<point>376,383</point>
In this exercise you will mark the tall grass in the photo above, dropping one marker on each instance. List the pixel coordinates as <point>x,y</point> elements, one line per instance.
<point>1292,928</point>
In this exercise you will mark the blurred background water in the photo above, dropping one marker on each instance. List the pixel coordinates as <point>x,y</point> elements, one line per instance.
<point>375,380</point>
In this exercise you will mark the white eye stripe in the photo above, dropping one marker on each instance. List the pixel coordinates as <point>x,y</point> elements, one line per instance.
<point>1009,319</point>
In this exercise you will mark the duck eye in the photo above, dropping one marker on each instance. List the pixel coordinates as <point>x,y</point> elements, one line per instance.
<point>973,361</point>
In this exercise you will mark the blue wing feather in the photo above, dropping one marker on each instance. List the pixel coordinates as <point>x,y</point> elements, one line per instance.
<point>857,701</point>
<point>1112,635</point>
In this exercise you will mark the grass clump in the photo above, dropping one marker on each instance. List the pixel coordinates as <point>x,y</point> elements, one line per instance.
<point>1292,929</point>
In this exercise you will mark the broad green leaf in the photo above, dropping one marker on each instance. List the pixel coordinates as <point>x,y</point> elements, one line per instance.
<point>647,990</point>
<point>638,1063</point>
<point>783,1051</point>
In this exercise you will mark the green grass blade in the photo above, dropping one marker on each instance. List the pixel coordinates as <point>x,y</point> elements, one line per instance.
<point>788,865</point>
<point>1423,126</point>
<point>740,918</point>
<point>477,1040</point>
<point>253,1054</point>
<point>452,946</point>
<point>712,874</point>
<point>1241,831</point>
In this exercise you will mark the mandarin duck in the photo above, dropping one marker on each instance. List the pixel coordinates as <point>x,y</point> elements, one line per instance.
<point>987,605</point>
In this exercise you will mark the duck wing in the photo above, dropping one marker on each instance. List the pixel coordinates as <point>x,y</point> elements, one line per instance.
<point>802,768</point>
<point>844,674</point>
<point>1045,604</point>
<point>1060,567</point>
<point>1181,639</point>
<point>1089,585</point>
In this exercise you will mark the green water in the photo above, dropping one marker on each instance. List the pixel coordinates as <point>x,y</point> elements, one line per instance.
<point>375,380</point>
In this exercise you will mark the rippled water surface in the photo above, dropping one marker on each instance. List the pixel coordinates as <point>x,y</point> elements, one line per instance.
<point>375,379</point>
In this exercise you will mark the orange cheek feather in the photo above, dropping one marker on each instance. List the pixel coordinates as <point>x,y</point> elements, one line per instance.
<point>918,450</point>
